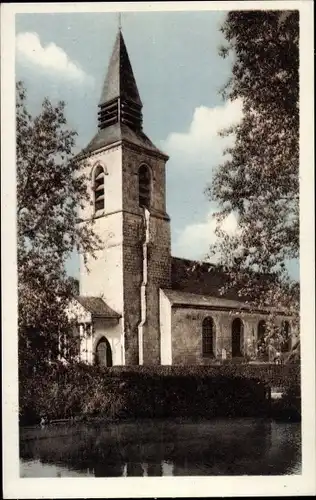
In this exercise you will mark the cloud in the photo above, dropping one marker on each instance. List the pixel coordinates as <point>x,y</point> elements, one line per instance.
<point>194,155</point>
<point>202,143</point>
<point>50,58</point>
<point>195,239</point>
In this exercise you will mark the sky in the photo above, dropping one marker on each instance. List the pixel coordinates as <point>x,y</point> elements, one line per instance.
<point>179,74</point>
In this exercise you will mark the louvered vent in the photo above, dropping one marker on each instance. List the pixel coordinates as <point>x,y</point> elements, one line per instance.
<point>99,189</point>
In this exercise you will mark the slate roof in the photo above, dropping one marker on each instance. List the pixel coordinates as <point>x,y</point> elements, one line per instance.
<point>120,85</point>
<point>120,80</point>
<point>121,132</point>
<point>97,307</point>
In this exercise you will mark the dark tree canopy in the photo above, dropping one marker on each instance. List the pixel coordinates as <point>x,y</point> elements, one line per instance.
<point>259,179</point>
<point>50,187</point>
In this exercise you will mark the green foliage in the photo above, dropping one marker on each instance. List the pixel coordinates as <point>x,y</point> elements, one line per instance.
<point>288,407</point>
<point>86,392</point>
<point>282,375</point>
<point>50,187</point>
<point>60,391</point>
<point>259,180</point>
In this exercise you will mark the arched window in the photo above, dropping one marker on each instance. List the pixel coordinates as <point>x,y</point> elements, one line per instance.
<point>103,353</point>
<point>208,337</point>
<point>144,181</point>
<point>98,188</point>
<point>237,338</point>
<point>286,338</point>
<point>261,341</point>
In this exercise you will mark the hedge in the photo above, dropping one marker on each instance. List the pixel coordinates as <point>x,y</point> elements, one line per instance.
<point>83,391</point>
<point>273,374</point>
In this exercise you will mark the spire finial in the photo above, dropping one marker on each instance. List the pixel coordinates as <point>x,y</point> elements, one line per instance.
<point>120,21</point>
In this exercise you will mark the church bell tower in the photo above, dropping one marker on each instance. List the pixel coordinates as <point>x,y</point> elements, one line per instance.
<point>128,206</point>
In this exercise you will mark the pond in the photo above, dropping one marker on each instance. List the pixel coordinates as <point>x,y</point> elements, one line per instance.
<point>162,448</point>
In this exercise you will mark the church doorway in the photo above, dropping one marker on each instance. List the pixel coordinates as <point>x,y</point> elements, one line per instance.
<point>237,337</point>
<point>103,353</point>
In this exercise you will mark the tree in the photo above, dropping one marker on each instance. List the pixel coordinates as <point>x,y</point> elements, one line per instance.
<point>259,180</point>
<point>50,187</point>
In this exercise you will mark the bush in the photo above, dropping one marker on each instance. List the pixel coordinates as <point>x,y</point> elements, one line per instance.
<point>85,392</point>
<point>288,408</point>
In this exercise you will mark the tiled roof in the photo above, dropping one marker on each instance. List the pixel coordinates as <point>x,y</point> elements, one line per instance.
<point>181,298</point>
<point>97,307</point>
<point>201,279</point>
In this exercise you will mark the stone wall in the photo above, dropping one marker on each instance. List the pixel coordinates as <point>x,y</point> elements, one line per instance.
<point>117,272</point>
<point>132,159</point>
<point>132,278</point>
<point>158,255</point>
<point>186,333</point>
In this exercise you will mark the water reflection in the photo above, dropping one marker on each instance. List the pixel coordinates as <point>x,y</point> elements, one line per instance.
<point>162,448</point>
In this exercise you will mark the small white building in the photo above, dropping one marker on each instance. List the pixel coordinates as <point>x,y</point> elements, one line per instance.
<point>99,329</point>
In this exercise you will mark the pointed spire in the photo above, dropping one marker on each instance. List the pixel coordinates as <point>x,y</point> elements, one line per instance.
<point>120,107</point>
<point>120,100</point>
<point>120,81</point>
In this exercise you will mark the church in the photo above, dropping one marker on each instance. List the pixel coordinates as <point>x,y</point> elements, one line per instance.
<point>137,304</point>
